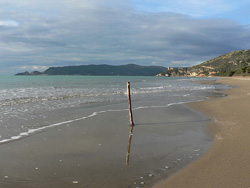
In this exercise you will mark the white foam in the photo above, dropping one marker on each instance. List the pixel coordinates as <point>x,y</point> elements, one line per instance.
<point>15,137</point>
<point>32,131</point>
<point>5,140</point>
<point>164,106</point>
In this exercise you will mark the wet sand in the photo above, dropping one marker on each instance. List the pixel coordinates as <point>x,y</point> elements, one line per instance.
<point>227,163</point>
<point>91,153</point>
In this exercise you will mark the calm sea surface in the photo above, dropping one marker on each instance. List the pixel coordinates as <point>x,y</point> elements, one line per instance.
<point>32,103</point>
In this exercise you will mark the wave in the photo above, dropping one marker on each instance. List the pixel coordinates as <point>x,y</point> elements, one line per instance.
<point>13,97</point>
<point>32,131</point>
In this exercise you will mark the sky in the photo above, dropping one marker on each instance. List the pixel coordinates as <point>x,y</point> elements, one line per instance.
<point>37,34</point>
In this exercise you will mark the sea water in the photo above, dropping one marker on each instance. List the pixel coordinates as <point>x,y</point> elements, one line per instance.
<point>29,104</point>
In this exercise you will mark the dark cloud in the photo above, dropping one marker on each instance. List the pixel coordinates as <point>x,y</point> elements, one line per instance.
<point>66,33</point>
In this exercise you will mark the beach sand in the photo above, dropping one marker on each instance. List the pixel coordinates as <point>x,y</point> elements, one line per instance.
<point>227,163</point>
<point>91,153</point>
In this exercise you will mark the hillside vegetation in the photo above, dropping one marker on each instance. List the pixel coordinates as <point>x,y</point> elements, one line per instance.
<point>233,63</point>
<point>102,70</point>
<point>229,64</point>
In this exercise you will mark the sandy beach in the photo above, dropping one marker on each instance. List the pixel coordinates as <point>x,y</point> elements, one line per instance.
<point>227,163</point>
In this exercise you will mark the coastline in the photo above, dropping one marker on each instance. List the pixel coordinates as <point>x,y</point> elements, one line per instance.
<point>226,163</point>
<point>92,152</point>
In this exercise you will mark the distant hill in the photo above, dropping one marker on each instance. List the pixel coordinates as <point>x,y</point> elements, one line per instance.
<point>103,70</point>
<point>226,64</point>
<point>233,63</point>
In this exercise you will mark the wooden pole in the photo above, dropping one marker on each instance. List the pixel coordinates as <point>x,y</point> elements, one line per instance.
<point>131,123</point>
<point>129,104</point>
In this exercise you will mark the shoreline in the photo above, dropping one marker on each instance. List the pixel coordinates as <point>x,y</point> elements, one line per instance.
<point>89,154</point>
<point>226,163</point>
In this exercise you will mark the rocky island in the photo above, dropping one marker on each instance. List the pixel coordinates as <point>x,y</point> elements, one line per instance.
<point>26,73</point>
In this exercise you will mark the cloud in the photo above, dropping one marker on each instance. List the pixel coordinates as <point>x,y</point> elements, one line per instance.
<point>32,67</point>
<point>204,8</point>
<point>8,23</point>
<point>37,67</point>
<point>57,33</point>
<point>23,67</point>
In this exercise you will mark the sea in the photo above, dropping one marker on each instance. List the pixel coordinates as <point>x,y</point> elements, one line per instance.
<point>29,104</point>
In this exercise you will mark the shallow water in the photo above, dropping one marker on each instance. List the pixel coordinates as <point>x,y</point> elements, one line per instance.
<point>28,102</point>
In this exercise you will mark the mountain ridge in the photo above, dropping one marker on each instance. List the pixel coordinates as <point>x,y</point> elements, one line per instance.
<point>101,70</point>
